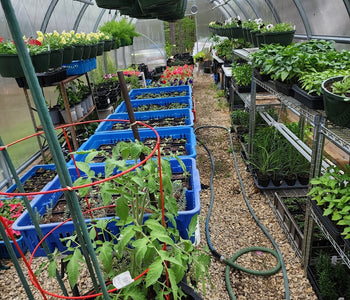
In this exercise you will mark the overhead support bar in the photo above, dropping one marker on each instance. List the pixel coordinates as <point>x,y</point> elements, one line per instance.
<point>337,39</point>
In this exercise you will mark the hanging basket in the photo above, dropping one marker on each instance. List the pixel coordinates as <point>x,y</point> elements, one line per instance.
<point>107,45</point>
<point>56,58</point>
<point>282,38</point>
<point>78,52</point>
<point>114,4</point>
<point>93,50</point>
<point>67,56</point>
<point>236,32</point>
<point>100,48</point>
<point>86,52</point>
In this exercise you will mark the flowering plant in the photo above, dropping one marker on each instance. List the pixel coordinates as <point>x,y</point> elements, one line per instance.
<point>176,75</point>
<point>280,27</point>
<point>10,210</point>
<point>34,46</point>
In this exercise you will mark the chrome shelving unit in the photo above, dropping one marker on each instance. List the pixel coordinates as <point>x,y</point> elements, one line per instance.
<point>322,130</point>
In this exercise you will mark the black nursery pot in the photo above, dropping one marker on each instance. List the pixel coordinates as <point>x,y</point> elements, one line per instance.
<point>303,178</point>
<point>290,179</point>
<point>263,179</point>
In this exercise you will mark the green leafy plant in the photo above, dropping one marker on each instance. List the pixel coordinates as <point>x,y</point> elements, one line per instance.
<point>342,87</point>
<point>240,117</point>
<point>312,82</point>
<point>242,74</point>
<point>120,30</point>
<point>331,191</point>
<point>140,242</point>
<point>279,27</point>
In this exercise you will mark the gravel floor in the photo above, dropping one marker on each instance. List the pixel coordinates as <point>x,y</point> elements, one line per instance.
<point>231,226</point>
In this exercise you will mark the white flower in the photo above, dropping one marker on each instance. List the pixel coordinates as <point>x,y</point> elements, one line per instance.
<point>258,21</point>
<point>238,18</point>
<point>269,26</point>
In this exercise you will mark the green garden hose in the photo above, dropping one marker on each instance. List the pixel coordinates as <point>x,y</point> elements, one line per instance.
<point>231,262</point>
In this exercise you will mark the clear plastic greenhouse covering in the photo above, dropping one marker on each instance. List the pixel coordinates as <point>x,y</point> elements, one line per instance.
<point>323,19</point>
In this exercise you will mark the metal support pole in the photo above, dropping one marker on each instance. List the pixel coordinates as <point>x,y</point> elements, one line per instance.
<point>34,123</point>
<point>15,262</point>
<point>30,211</point>
<point>55,148</point>
<point>252,116</point>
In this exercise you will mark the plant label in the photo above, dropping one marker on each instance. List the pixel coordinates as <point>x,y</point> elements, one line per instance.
<point>122,280</point>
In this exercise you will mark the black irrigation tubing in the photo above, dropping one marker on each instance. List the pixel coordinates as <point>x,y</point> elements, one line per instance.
<point>230,262</point>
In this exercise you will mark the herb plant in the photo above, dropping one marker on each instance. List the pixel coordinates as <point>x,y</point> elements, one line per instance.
<point>342,87</point>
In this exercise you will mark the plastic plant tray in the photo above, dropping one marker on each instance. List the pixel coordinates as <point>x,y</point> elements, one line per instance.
<point>79,67</point>
<point>180,88</point>
<point>29,174</point>
<point>113,137</point>
<point>21,243</point>
<point>27,230</point>
<point>157,101</point>
<point>142,116</point>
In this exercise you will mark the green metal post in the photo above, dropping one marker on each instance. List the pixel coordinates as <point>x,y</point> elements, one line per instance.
<point>30,212</point>
<point>15,261</point>
<point>53,142</point>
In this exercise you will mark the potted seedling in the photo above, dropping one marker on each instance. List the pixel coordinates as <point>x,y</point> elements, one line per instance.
<point>336,97</point>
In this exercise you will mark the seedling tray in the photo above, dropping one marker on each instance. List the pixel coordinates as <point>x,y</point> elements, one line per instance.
<point>113,137</point>
<point>158,104</point>
<point>27,230</point>
<point>149,118</point>
<point>161,90</point>
<point>313,102</point>
<point>30,174</point>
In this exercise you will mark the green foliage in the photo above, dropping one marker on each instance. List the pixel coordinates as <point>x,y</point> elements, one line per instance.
<point>240,117</point>
<point>120,30</point>
<point>242,74</point>
<point>312,82</point>
<point>140,242</point>
<point>333,280</point>
<point>332,192</point>
<point>199,56</point>
<point>186,38</point>
<point>224,49</point>
<point>288,63</point>
<point>279,27</point>
<point>341,87</point>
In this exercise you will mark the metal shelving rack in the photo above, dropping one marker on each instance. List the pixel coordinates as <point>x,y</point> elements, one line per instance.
<point>322,129</point>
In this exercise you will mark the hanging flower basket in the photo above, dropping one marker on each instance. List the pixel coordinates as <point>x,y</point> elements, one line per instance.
<point>78,52</point>
<point>67,56</point>
<point>56,58</point>
<point>100,48</point>
<point>283,38</point>
<point>108,45</point>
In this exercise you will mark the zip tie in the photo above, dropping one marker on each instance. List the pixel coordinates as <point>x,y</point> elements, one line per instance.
<point>133,123</point>
<point>69,188</point>
<point>3,148</point>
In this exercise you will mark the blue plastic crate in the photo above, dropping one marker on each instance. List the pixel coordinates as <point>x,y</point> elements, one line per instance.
<point>29,174</point>
<point>148,82</point>
<point>142,116</point>
<point>79,67</point>
<point>159,101</point>
<point>179,88</point>
<point>21,243</point>
<point>113,137</point>
<point>27,230</point>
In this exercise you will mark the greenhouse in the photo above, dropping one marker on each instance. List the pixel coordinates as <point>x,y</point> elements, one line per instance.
<point>175,149</point>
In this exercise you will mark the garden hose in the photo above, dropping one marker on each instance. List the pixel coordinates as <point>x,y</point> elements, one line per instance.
<point>230,262</point>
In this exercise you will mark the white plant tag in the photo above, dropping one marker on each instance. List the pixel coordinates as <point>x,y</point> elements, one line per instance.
<point>122,280</point>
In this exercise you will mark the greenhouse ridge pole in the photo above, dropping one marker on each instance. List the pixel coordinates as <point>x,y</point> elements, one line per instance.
<point>55,148</point>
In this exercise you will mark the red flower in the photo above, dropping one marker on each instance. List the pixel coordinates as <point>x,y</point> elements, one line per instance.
<point>1,39</point>
<point>33,42</point>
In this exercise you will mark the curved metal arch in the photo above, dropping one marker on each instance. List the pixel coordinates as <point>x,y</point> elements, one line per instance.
<point>347,5</point>
<point>242,9</point>
<point>80,16</point>
<point>98,20</point>
<point>256,11</point>
<point>273,10</point>
<point>48,15</point>
<point>303,18</point>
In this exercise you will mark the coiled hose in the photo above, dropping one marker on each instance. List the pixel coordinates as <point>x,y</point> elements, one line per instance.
<point>231,262</point>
